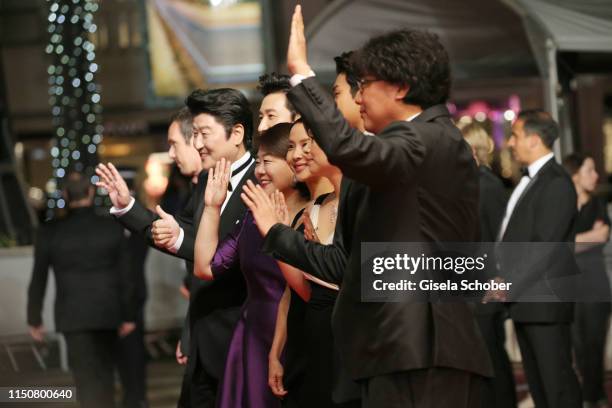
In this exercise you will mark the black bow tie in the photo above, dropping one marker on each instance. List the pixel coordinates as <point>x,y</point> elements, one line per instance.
<point>525,172</point>
<point>237,171</point>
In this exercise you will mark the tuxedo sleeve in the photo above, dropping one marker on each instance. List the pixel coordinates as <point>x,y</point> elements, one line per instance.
<point>557,212</point>
<point>186,336</point>
<point>188,245</point>
<point>602,211</point>
<point>388,158</point>
<point>140,220</point>
<point>40,273</point>
<point>553,227</point>
<point>127,279</point>
<point>326,262</point>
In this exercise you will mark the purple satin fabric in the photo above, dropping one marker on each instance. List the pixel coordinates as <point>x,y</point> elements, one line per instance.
<point>245,380</point>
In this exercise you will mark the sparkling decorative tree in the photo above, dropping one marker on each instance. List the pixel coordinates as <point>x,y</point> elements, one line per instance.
<point>73,94</point>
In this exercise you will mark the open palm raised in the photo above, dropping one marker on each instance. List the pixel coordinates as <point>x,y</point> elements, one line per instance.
<point>216,185</point>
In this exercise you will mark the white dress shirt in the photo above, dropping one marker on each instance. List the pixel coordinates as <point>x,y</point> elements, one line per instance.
<point>234,181</point>
<point>532,169</point>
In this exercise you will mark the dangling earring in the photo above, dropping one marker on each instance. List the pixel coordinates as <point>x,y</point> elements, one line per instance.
<point>295,180</point>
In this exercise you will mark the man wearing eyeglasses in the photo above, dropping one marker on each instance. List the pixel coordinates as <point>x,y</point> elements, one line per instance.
<point>420,184</point>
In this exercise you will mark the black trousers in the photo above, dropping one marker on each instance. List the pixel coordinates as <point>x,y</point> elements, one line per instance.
<point>199,388</point>
<point>427,388</point>
<point>499,391</point>
<point>203,387</point>
<point>589,334</point>
<point>185,396</point>
<point>91,356</point>
<point>132,366</point>
<point>547,358</point>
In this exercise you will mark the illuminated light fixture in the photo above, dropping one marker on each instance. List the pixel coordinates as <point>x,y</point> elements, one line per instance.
<point>74,95</point>
<point>156,168</point>
<point>480,116</point>
<point>509,115</point>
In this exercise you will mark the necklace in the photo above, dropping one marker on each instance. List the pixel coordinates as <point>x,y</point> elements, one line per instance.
<point>333,215</point>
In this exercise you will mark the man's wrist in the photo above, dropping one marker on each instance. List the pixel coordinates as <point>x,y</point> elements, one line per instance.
<point>174,247</point>
<point>300,75</point>
<point>118,212</point>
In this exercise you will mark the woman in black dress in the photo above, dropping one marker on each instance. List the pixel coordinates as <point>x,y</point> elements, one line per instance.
<point>312,367</point>
<point>499,391</point>
<point>591,317</point>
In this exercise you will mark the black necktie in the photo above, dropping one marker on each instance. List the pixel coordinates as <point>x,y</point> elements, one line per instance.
<point>525,172</point>
<point>238,170</point>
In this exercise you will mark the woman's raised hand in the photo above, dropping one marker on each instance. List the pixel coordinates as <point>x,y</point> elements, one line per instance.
<point>216,185</point>
<point>309,229</point>
<point>262,206</point>
<point>280,207</point>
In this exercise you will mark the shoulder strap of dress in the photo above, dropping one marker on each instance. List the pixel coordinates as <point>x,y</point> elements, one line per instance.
<point>314,211</point>
<point>297,217</point>
<point>319,200</point>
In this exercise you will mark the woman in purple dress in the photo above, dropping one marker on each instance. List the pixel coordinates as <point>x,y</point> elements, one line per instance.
<point>245,380</point>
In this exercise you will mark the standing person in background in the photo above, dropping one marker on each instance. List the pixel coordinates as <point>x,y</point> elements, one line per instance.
<point>499,391</point>
<point>541,209</point>
<point>592,315</point>
<point>94,302</point>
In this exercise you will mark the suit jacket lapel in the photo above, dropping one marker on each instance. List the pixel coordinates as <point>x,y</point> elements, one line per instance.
<point>532,182</point>
<point>235,207</point>
<point>518,203</point>
<point>199,191</point>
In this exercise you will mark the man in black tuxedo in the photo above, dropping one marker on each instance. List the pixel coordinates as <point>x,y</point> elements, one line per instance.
<point>94,299</point>
<point>132,366</point>
<point>542,208</point>
<point>222,127</point>
<point>419,183</point>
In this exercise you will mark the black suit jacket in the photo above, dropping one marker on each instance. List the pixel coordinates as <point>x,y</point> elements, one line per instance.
<point>492,206</point>
<point>418,182</point>
<point>214,306</point>
<point>545,213</point>
<point>89,257</point>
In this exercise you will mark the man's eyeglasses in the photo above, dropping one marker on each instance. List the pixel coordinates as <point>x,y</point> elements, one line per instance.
<point>362,83</point>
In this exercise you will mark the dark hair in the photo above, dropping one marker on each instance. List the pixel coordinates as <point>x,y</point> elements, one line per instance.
<point>229,107</point>
<point>574,161</point>
<point>185,120</point>
<point>408,57</point>
<point>273,83</point>
<point>344,65</point>
<point>275,141</point>
<point>541,123</point>
<point>76,187</point>
<point>300,121</point>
